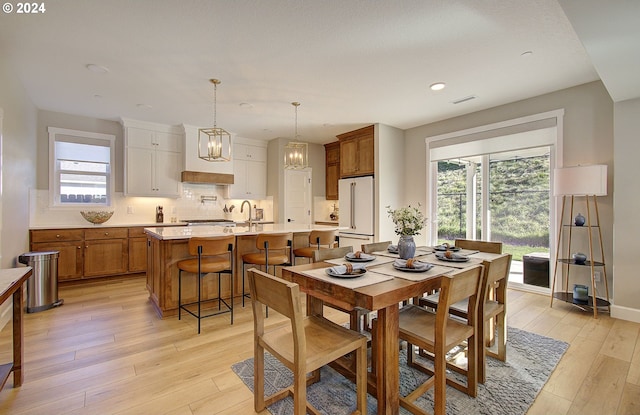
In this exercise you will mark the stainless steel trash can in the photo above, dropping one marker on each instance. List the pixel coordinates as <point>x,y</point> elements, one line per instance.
<point>42,285</point>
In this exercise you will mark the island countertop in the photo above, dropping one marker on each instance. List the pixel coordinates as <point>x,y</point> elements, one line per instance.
<point>186,232</point>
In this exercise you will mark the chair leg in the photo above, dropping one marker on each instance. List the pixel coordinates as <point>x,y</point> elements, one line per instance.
<point>258,378</point>
<point>199,301</point>
<point>231,299</point>
<point>243,284</point>
<point>361,379</point>
<point>299,392</point>
<point>179,294</point>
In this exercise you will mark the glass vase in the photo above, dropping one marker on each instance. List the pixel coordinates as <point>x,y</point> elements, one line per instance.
<point>406,247</point>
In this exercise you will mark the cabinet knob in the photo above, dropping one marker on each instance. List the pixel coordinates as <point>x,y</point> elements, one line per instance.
<point>57,236</point>
<point>86,246</point>
<point>106,234</point>
<point>79,247</point>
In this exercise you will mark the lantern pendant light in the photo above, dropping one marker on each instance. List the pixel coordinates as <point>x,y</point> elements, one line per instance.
<point>214,144</point>
<point>296,153</point>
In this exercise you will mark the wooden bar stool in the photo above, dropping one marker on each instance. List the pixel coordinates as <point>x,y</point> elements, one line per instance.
<point>213,255</point>
<point>317,240</point>
<point>274,249</point>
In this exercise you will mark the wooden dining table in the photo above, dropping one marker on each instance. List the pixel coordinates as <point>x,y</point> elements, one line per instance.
<point>382,297</point>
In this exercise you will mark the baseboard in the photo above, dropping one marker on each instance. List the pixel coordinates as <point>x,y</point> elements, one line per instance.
<point>625,313</point>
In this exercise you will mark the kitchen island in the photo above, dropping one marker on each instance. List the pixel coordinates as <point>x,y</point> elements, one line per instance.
<point>168,245</point>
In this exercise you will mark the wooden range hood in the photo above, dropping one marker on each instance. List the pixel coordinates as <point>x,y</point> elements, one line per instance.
<point>210,178</point>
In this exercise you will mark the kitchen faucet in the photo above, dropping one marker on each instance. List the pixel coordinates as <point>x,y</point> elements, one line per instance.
<point>242,209</point>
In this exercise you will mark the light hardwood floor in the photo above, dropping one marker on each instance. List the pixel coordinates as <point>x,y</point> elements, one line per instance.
<point>106,352</point>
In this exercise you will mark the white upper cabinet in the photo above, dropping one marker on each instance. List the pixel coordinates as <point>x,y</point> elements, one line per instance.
<point>153,159</point>
<point>249,170</point>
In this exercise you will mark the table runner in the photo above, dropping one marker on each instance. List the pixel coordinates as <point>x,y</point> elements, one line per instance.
<point>388,269</point>
<point>367,279</point>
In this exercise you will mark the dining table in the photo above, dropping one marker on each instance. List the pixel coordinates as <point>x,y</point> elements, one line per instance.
<point>381,289</point>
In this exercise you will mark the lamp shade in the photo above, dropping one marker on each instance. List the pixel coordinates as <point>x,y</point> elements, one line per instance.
<point>580,181</point>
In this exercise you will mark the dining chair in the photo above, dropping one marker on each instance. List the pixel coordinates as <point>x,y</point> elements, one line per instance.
<point>212,255</point>
<point>438,333</point>
<point>482,246</point>
<point>303,346</point>
<point>273,249</point>
<point>492,306</point>
<point>358,317</point>
<point>317,240</point>
<point>375,247</point>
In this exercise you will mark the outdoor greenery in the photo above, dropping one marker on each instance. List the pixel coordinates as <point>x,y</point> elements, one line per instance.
<point>519,202</point>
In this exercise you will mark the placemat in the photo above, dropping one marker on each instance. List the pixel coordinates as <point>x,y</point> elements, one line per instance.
<point>369,278</point>
<point>420,250</point>
<point>388,269</point>
<point>379,260</point>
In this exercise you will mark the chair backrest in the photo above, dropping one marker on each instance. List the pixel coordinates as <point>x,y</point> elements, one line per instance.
<point>331,253</point>
<point>275,241</point>
<point>497,278</point>
<point>322,238</point>
<point>458,286</point>
<point>215,245</point>
<point>375,247</point>
<point>482,246</point>
<point>280,295</point>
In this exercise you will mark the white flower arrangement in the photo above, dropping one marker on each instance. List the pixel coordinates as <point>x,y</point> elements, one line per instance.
<point>409,220</point>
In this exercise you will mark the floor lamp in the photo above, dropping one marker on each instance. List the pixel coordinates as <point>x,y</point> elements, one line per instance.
<point>588,182</point>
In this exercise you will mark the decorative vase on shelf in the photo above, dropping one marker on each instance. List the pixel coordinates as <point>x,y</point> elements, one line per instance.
<point>579,220</point>
<point>579,258</point>
<point>406,247</point>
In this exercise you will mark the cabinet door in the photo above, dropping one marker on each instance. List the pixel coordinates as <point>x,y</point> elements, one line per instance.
<point>331,185</point>
<point>348,157</point>
<point>256,180</point>
<point>167,173</point>
<point>138,254</point>
<point>140,164</point>
<point>256,153</point>
<point>141,138</point>
<point>105,257</point>
<point>69,258</point>
<point>168,142</point>
<point>238,190</point>
<point>365,155</point>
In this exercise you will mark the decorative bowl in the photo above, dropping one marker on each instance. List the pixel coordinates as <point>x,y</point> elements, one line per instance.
<point>96,217</point>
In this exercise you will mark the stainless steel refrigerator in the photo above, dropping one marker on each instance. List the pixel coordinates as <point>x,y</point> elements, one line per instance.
<point>356,211</point>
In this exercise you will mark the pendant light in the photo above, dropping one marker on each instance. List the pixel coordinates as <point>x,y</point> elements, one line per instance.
<point>214,144</point>
<point>295,152</point>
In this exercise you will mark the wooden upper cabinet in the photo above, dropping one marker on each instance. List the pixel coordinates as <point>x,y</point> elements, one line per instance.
<point>332,157</point>
<point>356,152</point>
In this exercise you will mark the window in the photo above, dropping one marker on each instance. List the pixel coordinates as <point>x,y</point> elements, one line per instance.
<point>80,168</point>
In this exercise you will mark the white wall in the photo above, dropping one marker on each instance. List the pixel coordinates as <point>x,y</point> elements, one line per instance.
<point>389,190</point>
<point>626,229</point>
<point>18,162</point>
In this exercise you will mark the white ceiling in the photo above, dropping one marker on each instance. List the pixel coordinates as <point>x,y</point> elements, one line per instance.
<point>349,62</point>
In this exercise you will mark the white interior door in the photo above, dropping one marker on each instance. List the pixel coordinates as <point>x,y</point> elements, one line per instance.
<point>297,196</point>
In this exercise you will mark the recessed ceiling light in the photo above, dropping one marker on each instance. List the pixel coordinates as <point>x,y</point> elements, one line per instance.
<point>437,86</point>
<point>97,96</point>
<point>144,106</point>
<point>97,68</point>
<point>526,54</point>
<point>245,105</point>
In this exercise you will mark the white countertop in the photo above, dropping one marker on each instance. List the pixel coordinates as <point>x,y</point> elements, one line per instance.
<point>186,232</point>
<point>106,225</point>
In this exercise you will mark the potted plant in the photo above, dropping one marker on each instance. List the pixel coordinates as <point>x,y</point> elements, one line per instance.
<point>409,221</point>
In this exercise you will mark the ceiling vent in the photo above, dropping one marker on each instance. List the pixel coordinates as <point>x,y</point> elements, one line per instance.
<point>465,99</point>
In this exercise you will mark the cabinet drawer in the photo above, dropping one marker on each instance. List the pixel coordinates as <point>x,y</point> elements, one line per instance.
<point>137,232</point>
<point>107,233</point>
<point>54,235</point>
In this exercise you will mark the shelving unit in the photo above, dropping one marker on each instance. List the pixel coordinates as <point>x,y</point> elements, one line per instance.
<point>566,264</point>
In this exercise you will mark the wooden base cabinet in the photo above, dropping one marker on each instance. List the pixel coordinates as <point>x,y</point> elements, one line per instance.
<point>69,243</point>
<point>106,252</point>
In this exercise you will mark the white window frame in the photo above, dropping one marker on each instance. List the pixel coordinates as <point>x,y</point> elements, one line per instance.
<point>81,137</point>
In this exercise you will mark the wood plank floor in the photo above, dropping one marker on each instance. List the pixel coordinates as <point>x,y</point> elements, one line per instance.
<point>106,352</point>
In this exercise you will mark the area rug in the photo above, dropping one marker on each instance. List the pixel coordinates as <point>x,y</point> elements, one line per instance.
<point>510,388</point>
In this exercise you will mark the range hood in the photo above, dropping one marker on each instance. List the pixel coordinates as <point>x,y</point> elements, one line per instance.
<point>204,177</point>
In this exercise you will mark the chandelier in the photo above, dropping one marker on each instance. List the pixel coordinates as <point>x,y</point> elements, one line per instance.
<point>295,153</point>
<point>214,144</point>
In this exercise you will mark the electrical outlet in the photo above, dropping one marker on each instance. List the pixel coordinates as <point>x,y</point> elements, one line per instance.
<point>596,276</point>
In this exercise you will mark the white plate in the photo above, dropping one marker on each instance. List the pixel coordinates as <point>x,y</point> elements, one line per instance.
<point>444,248</point>
<point>355,274</point>
<point>421,269</point>
<point>365,258</point>
<point>444,258</point>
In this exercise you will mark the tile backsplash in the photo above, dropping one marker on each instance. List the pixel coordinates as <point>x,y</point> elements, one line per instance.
<point>142,210</point>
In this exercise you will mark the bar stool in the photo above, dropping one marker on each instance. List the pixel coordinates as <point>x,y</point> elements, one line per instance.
<point>317,240</point>
<point>214,255</point>
<point>274,249</point>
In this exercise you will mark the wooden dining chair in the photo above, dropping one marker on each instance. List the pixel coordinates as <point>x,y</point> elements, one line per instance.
<point>438,333</point>
<point>482,246</point>
<point>325,239</point>
<point>492,306</point>
<point>375,247</point>
<point>274,249</point>
<point>303,346</point>
<point>358,317</point>
<point>212,255</point>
